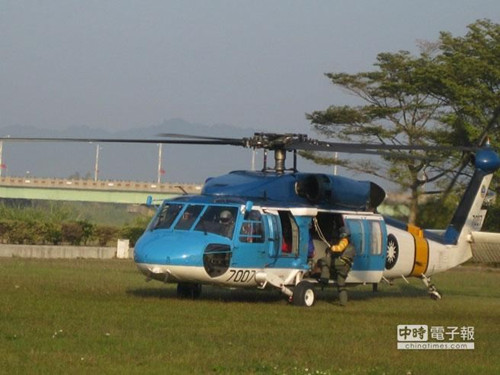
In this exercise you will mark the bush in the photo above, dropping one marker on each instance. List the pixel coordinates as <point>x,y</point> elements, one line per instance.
<point>52,234</point>
<point>5,230</point>
<point>21,233</point>
<point>132,233</point>
<point>87,229</point>
<point>105,233</point>
<point>21,225</point>
<point>76,232</point>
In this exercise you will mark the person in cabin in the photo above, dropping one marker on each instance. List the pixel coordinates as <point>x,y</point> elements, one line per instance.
<point>286,246</point>
<point>226,220</point>
<point>286,243</point>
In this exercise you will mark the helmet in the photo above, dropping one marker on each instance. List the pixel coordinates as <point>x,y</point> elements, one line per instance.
<point>344,232</point>
<point>225,216</point>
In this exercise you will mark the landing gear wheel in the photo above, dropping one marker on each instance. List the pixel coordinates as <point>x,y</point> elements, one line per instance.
<point>303,294</point>
<point>188,290</point>
<point>434,293</point>
<point>431,288</point>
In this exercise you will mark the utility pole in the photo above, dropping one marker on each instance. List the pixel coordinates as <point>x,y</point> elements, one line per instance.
<point>96,168</point>
<point>1,162</point>
<point>160,170</point>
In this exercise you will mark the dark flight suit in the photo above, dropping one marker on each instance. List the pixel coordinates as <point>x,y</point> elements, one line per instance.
<point>337,265</point>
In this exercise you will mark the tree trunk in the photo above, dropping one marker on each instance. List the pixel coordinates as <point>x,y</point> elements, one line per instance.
<point>415,193</point>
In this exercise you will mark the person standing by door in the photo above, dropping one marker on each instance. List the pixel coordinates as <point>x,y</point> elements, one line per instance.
<point>338,263</point>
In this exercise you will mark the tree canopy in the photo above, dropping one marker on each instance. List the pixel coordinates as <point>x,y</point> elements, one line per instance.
<point>447,95</point>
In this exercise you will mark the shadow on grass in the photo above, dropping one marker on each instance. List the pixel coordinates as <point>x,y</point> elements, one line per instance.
<point>363,293</point>
<point>152,292</point>
<point>213,293</point>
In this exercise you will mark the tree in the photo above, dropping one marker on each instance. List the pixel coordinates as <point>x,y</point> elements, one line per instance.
<point>396,110</point>
<point>445,96</point>
<point>466,78</point>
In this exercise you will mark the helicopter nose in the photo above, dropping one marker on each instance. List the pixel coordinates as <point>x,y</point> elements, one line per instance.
<point>168,249</point>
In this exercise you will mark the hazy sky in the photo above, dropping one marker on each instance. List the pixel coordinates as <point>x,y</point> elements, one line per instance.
<point>127,64</point>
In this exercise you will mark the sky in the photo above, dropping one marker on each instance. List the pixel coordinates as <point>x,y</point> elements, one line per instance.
<point>252,64</point>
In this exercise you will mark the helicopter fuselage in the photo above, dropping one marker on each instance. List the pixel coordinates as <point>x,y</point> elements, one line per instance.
<point>254,229</point>
<point>268,242</point>
<point>276,235</point>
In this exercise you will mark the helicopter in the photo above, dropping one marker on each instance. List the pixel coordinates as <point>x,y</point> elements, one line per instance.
<point>268,229</point>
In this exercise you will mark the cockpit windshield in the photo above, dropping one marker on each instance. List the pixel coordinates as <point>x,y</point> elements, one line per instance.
<point>188,217</point>
<point>167,215</point>
<point>214,219</point>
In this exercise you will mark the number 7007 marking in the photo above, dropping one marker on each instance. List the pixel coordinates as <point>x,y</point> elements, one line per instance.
<point>241,276</point>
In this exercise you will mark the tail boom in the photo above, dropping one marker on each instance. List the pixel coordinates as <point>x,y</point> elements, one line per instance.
<point>416,252</point>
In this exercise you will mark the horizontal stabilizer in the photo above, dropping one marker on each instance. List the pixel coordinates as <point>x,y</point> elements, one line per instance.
<point>486,247</point>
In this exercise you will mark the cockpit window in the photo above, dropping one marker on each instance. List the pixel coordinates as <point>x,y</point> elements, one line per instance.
<point>188,217</point>
<point>167,215</point>
<point>218,220</point>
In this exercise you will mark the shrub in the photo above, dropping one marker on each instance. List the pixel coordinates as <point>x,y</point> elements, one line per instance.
<point>53,234</point>
<point>5,229</point>
<point>105,233</point>
<point>21,233</point>
<point>72,233</point>
<point>132,233</point>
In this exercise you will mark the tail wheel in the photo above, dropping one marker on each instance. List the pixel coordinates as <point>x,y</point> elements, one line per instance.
<point>188,290</point>
<point>435,295</point>
<point>303,294</point>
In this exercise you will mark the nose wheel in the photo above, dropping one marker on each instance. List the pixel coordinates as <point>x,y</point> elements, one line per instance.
<point>188,290</point>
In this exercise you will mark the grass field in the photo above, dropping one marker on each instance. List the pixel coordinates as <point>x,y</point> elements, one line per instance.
<point>83,316</point>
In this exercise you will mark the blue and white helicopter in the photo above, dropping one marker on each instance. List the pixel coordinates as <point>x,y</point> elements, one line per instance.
<point>259,229</point>
<point>268,229</point>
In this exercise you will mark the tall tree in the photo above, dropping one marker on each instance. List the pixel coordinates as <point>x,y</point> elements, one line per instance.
<point>445,96</point>
<point>466,78</point>
<point>395,110</point>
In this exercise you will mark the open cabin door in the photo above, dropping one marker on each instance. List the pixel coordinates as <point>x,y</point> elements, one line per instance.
<point>273,227</point>
<point>290,235</point>
<point>284,234</point>
<point>369,237</point>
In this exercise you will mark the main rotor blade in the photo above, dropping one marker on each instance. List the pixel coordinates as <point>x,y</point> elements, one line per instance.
<point>120,140</point>
<point>271,141</point>
<point>368,148</point>
<point>202,137</point>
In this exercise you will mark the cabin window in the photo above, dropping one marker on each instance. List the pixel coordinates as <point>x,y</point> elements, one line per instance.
<point>188,217</point>
<point>357,235</point>
<point>218,220</point>
<point>376,240</point>
<point>252,228</point>
<point>167,215</point>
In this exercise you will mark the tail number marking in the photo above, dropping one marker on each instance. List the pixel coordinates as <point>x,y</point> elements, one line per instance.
<point>241,276</point>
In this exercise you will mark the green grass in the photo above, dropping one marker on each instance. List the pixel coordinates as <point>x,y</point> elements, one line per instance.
<point>82,316</point>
